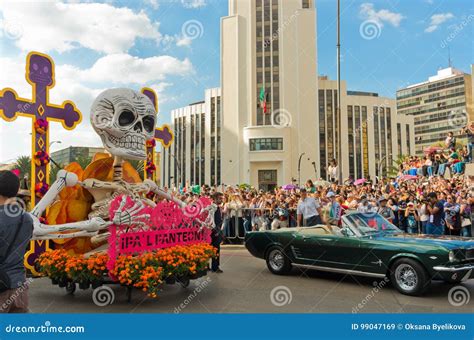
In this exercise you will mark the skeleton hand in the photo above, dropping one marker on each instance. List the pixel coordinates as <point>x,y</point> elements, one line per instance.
<point>130,216</point>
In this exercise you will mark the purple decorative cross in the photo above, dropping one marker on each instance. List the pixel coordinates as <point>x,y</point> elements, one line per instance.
<point>163,134</point>
<point>40,75</point>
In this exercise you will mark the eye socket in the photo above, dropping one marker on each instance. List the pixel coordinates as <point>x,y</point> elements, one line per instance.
<point>45,69</point>
<point>126,118</point>
<point>149,124</point>
<point>35,67</point>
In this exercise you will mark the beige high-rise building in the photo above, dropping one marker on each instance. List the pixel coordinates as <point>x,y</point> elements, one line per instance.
<point>195,155</point>
<point>373,134</point>
<point>269,91</point>
<point>440,105</point>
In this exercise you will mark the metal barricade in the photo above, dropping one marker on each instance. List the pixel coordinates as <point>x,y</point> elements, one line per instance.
<point>244,220</point>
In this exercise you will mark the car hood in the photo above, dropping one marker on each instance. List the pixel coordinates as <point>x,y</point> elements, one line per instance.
<point>449,242</point>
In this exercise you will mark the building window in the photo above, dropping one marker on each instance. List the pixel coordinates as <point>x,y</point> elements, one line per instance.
<point>218,143</point>
<point>383,154</point>
<point>203,146</point>
<point>358,143</point>
<point>399,139</point>
<point>389,135</point>
<point>269,61</point>
<point>408,139</point>
<point>267,180</point>
<point>350,127</point>
<point>330,124</point>
<point>306,3</point>
<point>365,141</point>
<point>265,144</point>
<point>322,133</point>
<point>376,137</point>
<point>194,136</point>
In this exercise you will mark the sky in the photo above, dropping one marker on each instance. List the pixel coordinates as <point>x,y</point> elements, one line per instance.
<point>173,47</point>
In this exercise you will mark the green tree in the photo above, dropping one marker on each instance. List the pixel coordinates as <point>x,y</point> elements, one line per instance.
<point>83,160</point>
<point>137,165</point>
<point>53,171</point>
<point>393,169</point>
<point>23,163</point>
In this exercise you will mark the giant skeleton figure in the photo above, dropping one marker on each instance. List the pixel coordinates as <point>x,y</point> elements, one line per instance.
<point>124,119</point>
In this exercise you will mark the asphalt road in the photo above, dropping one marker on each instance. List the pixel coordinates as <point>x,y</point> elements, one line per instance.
<point>246,286</point>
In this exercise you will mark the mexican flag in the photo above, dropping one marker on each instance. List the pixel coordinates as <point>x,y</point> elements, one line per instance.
<point>263,99</point>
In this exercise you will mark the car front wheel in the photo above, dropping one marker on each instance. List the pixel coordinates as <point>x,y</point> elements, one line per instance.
<point>409,277</point>
<point>277,261</point>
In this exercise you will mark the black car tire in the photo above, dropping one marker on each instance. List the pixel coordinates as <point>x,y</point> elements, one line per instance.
<point>409,277</point>
<point>277,261</point>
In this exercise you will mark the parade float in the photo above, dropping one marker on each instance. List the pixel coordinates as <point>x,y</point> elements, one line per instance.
<point>106,224</point>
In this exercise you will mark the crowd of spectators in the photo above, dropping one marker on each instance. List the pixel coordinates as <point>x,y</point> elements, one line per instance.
<point>422,205</point>
<point>451,157</point>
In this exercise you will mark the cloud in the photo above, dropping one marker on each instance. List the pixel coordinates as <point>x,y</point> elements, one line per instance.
<point>437,20</point>
<point>368,12</point>
<point>193,3</point>
<point>152,3</point>
<point>127,69</point>
<point>63,27</point>
<point>183,41</point>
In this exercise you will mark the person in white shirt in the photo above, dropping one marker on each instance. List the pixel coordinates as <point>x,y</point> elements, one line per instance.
<point>308,210</point>
<point>365,206</point>
<point>423,213</point>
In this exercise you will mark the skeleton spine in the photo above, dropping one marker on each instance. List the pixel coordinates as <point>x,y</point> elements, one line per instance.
<point>117,169</point>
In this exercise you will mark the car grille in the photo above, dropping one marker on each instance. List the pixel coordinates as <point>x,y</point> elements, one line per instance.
<point>470,254</point>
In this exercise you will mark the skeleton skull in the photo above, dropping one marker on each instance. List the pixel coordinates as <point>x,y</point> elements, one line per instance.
<point>124,119</point>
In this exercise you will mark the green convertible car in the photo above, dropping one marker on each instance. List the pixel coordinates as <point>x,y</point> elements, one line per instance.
<point>367,245</point>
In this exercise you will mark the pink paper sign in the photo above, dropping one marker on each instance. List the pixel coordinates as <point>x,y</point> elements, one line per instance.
<point>150,240</point>
<point>165,225</point>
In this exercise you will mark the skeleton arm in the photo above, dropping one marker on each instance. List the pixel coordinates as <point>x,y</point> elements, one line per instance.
<point>92,183</point>
<point>63,179</point>
<point>83,228</point>
<point>90,227</point>
<point>156,190</point>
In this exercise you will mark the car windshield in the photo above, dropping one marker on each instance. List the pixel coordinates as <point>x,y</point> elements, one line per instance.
<point>367,224</point>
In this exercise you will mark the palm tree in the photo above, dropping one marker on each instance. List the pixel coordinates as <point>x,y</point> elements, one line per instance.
<point>138,165</point>
<point>23,163</point>
<point>53,171</point>
<point>83,160</point>
<point>393,169</point>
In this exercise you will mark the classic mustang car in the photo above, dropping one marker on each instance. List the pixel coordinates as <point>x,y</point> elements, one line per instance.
<point>367,245</point>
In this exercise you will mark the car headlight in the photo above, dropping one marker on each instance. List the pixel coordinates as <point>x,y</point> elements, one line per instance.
<point>451,256</point>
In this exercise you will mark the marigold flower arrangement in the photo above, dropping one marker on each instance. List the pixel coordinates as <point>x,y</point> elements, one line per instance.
<point>142,271</point>
<point>53,264</point>
<point>145,271</point>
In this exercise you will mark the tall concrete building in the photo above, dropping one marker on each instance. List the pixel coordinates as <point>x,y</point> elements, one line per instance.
<point>275,122</point>
<point>269,91</point>
<point>71,153</point>
<point>195,155</point>
<point>441,104</point>
<point>373,135</point>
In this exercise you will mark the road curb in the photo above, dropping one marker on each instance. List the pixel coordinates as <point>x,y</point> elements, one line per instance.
<point>232,246</point>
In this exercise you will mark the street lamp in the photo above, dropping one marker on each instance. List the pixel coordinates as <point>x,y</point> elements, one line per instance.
<point>339,112</point>
<point>379,167</point>
<point>315,171</point>
<point>176,161</point>
<point>299,168</point>
<point>51,158</point>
